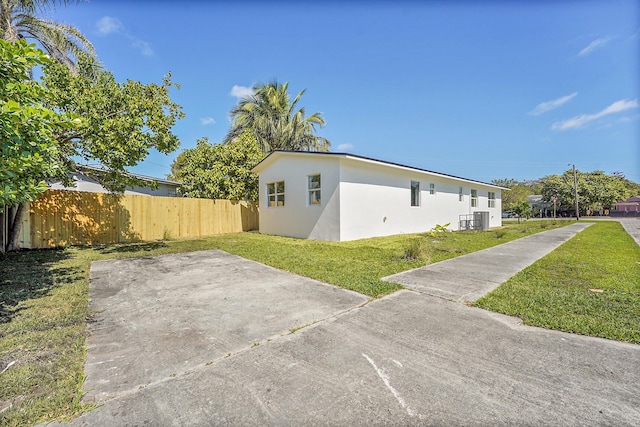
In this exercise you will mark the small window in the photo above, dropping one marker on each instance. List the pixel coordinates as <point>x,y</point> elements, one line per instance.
<point>474,198</point>
<point>314,189</point>
<point>415,193</point>
<point>492,199</point>
<point>432,188</point>
<point>460,196</point>
<point>275,194</point>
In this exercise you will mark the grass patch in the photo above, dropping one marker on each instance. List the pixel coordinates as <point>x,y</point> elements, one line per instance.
<point>44,299</point>
<point>562,290</point>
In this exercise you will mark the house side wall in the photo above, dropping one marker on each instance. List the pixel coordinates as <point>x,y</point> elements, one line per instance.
<point>297,218</point>
<point>87,184</point>
<point>376,201</point>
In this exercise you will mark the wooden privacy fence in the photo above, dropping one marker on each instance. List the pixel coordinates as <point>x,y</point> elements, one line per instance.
<point>62,218</point>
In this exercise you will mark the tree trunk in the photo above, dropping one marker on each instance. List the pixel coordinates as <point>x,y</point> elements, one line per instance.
<point>3,231</point>
<point>15,222</point>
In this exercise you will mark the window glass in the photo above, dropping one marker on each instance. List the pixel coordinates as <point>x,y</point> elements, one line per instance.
<point>474,198</point>
<point>492,199</point>
<point>415,193</point>
<point>275,194</point>
<point>314,189</point>
<point>460,194</point>
<point>432,188</point>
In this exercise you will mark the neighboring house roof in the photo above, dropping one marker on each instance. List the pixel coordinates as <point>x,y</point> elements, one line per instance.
<point>630,201</point>
<point>84,180</point>
<point>133,175</point>
<point>537,200</point>
<point>272,156</point>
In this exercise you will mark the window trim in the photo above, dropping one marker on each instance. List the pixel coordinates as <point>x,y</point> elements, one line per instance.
<point>474,199</point>
<point>491,201</point>
<point>277,195</point>
<point>314,190</point>
<point>415,194</point>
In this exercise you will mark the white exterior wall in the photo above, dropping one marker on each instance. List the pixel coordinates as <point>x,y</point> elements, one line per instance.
<point>375,200</point>
<point>363,198</point>
<point>297,218</point>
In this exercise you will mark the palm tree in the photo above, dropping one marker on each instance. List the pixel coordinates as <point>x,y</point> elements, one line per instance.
<point>18,19</point>
<point>271,116</point>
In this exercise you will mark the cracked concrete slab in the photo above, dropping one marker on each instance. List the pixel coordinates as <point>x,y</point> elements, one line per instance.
<point>406,359</point>
<point>156,317</point>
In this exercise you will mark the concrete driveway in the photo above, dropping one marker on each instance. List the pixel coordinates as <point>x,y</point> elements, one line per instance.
<point>209,338</point>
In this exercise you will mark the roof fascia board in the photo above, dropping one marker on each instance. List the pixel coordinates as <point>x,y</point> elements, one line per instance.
<point>272,156</point>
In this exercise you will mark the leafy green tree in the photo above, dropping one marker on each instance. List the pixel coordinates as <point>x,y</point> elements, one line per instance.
<point>121,122</point>
<point>516,195</point>
<point>19,19</point>
<point>523,210</point>
<point>28,129</point>
<point>116,124</point>
<point>633,188</point>
<point>596,190</point>
<point>219,171</point>
<point>276,122</point>
<point>29,151</point>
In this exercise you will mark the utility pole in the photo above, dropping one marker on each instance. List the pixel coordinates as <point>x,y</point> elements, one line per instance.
<point>575,189</point>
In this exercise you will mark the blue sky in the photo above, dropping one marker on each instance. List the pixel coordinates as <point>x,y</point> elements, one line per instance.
<point>483,90</point>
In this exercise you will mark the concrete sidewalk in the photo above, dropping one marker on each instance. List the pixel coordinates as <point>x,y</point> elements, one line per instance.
<point>632,226</point>
<point>471,276</point>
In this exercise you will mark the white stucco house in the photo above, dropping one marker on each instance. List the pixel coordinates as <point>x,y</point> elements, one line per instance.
<point>340,196</point>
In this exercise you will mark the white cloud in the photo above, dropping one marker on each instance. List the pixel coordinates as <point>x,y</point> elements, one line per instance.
<point>551,105</point>
<point>145,48</point>
<point>207,121</point>
<point>344,147</point>
<point>108,25</point>
<point>597,43</point>
<point>577,122</point>
<point>241,91</point>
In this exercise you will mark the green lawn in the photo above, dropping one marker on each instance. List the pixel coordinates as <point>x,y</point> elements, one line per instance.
<point>44,298</point>
<point>590,285</point>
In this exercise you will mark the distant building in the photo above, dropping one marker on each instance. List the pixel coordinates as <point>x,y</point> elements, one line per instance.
<point>84,182</point>
<point>629,207</point>
<point>539,207</point>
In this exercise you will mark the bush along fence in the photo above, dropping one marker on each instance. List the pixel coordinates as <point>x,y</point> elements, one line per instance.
<point>61,218</point>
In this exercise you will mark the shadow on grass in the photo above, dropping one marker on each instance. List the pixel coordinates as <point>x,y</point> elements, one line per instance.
<point>27,275</point>
<point>131,247</point>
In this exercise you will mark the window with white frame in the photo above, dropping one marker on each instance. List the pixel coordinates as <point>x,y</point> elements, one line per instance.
<point>314,189</point>
<point>474,198</point>
<point>432,188</point>
<point>415,193</point>
<point>460,194</point>
<point>492,199</point>
<point>275,194</point>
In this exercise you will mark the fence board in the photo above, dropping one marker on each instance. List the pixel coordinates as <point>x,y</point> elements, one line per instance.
<point>63,218</point>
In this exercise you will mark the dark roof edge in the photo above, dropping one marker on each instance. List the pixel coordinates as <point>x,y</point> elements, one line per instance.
<point>134,175</point>
<point>371,159</point>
